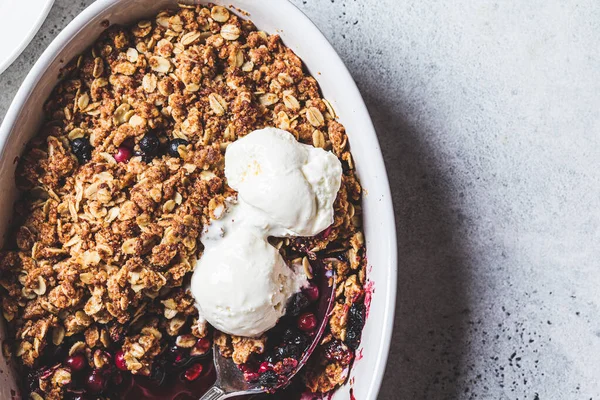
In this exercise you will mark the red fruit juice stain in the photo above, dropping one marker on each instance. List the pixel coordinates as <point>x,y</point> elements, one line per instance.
<point>359,355</point>
<point>174,387</point>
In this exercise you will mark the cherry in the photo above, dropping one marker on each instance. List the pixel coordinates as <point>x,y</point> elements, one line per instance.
<point>76,362</point>
<point>193,372</point>
<point>307,322</point>
<point>95,381</point>
<point>123,154</point>
<point>120,360</point>
<point>201,347</point>
<point>264,367</point>
<point>312,293</point>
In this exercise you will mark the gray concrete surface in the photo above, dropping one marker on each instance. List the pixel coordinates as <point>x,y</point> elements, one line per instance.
<point>489,117</point>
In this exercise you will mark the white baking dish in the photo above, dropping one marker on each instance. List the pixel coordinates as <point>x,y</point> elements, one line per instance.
<point>297,31</point>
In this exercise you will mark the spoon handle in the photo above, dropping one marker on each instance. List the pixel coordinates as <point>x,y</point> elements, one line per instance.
<point>214,393</point>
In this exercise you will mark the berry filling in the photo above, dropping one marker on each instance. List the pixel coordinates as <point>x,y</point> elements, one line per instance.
<point>288,342</point>
<point>82,149</point>
<point>184,368</point>
<point>123,154</point>
<point>76,362</point>
<point>174,144</point>
<point>307,322</point>
<point>177,373</point>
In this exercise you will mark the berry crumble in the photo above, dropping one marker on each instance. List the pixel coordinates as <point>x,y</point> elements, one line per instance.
<point>117,187</point>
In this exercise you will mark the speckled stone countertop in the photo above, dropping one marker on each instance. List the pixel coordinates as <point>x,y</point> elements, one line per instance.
<point>488,113</point>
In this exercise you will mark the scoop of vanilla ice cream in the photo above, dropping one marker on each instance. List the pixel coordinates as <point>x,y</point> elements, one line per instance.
<point>241,283</point>
<point>293,184</point>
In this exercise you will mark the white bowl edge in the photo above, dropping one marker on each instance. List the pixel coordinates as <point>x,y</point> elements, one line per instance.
<point>337,85</point>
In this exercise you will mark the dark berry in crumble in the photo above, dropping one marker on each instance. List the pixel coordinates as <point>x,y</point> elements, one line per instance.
<point>295,337</point>
<point>269,379</point>
<point>149,144</point>
<point>174,146</point>
<point>297,304</point>
<point>287,351</point>
<point>147,158</point>
<point>356,321</point>
<point>336,350</point>
<point>82,149</point>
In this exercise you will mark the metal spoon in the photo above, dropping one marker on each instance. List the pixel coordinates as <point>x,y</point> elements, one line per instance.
<point>230,379</point>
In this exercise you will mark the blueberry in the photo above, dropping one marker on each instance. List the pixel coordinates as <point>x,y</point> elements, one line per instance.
<point>79,144</point>
<point>292,351</point>
<point>174,146</point>
<point>149,144</point>
<point>287,351</point>
<point>356,321</point>
<point>269,379</point>
<point>147,158</point>
<point>292,336</point>
<point>82,149</point>
<point>297,303</point>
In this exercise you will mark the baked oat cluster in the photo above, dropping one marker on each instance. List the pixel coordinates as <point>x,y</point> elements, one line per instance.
<point>119,183</point>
